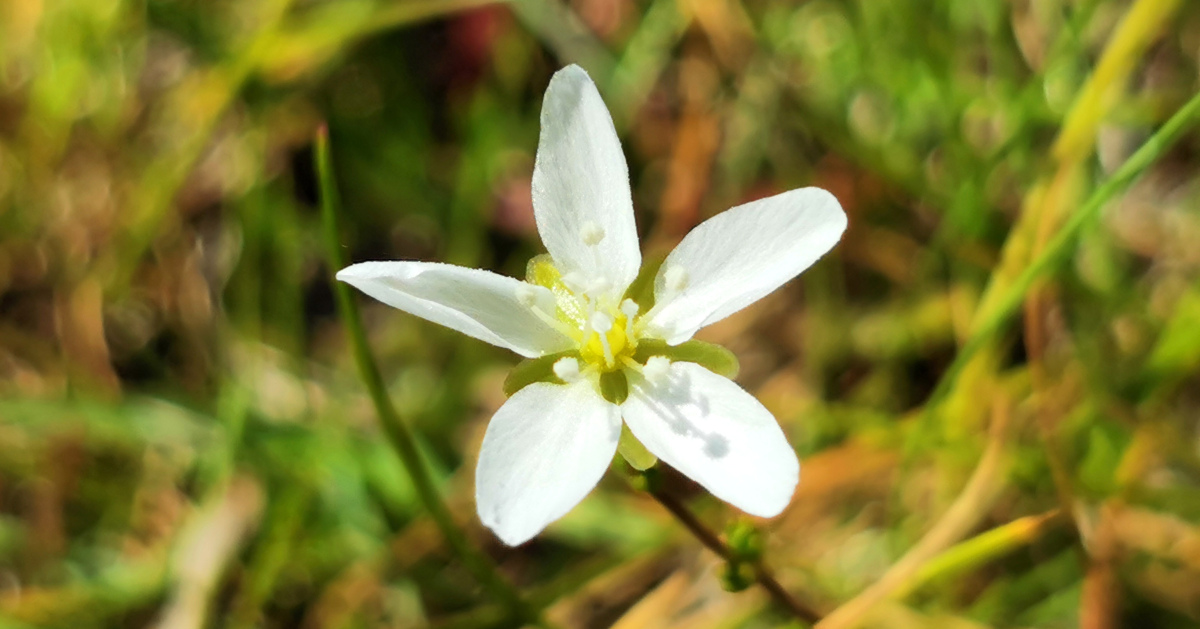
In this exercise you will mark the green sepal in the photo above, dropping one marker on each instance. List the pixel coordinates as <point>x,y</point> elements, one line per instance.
<point>744,540</point>
<point>634,453</point>
<point>711,356</point>
<point>531,370</point>
<point>737,576</point>
<point>641,291</point>
<point>648,480</point>
<point>614,386</point>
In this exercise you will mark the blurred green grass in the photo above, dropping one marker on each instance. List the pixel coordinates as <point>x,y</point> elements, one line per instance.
<point>184,440</point>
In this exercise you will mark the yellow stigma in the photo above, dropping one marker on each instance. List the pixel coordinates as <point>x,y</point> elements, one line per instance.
<point>593,352</point>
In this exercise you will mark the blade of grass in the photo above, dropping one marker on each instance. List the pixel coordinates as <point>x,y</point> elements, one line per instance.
<point>307,43</point>
<point>397,432</point>
<point>562,30</point>
<point>1055,252</point>
<point>284,521</point>
<point>644,59</point>
<point>968,509</point>
<point>979,550</point>
<point>195,109</point>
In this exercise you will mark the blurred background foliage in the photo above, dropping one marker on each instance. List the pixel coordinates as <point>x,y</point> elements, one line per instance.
<point>184,441</point>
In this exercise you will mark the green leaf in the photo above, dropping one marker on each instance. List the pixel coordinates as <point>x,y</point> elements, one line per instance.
<point>1178,348</point>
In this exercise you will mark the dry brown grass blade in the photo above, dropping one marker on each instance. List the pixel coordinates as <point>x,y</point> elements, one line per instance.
<point>206,549</point>
<point>617,588</point>
<point>964,514</point>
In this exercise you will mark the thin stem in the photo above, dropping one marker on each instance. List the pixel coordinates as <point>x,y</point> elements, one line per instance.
<point>762,574</point>
<point>398,433</point>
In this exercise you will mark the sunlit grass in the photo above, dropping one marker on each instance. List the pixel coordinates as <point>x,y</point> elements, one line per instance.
<point>185,438</point>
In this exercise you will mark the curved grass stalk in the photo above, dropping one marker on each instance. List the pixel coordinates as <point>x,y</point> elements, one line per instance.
<point>964,514</point>
<point>979,550</point>
<point>1054,253</point>
<point>900,577</point>
<point>398,433</point>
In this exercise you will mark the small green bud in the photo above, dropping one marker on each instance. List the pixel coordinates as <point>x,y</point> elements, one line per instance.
<point>744,540</point>
<point>737,576</point>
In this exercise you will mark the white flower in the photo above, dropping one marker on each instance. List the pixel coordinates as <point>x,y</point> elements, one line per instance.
<point>550,443</point>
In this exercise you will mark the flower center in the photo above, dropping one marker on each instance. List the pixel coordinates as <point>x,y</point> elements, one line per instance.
<point>606,332</point>
<point>609,342</point>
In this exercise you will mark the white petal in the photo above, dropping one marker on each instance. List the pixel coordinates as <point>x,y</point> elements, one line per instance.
<point>715,433</point>
<point>581,186</point>
<point>739,256</point>
<point>543,451</point>
<point>480,304</point>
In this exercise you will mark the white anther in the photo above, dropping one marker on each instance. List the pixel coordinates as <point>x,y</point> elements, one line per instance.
<point>538,305</point>
<point>591,234</point>
<point>675,279</point>
<point>567,369</point>
<point>601,322</point>
<point>527,295</point>
<point>656,369</point>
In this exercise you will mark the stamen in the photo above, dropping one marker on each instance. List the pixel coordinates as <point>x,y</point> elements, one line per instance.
<point>656,369</point>
<point>629,308</point>
<point>528,296</point>
<point>567,369</point>
<point>591,234</point>
<point>602,323</point>
<point>675,279</point>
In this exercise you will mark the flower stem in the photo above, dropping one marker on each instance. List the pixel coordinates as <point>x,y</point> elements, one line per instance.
<point>762,574</point>
<point>398,433</point>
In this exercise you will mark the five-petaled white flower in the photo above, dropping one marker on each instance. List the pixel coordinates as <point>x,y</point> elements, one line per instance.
<point>550,443</point>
